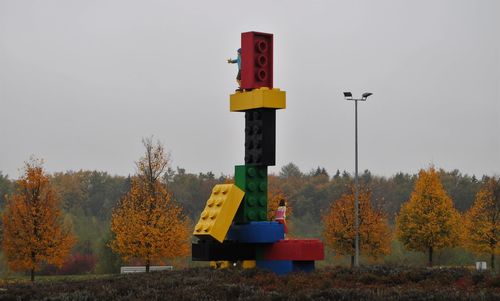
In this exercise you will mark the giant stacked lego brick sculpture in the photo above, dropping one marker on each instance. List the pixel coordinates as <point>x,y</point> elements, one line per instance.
<point>234,226</point>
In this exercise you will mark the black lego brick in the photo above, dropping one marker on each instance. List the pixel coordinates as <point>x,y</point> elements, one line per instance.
<point>260,137</point>
<point>214,251</point>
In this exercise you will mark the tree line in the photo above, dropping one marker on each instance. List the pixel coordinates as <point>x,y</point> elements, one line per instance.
<point>427,221</point>
<point>109,219</point>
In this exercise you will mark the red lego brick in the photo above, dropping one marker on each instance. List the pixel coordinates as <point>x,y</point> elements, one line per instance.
<point>296,249</point>
<point>256,60</point>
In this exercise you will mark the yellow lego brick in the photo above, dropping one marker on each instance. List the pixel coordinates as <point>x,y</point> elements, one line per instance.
<point>257,98</point>
<point>248,264</point>
<point>217,265</point>
<point>219,212</point>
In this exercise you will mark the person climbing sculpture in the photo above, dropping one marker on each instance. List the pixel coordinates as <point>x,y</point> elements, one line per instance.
<point>280,216</point>
<point>237,61</point>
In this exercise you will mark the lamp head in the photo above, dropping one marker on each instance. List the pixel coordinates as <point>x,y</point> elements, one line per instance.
<point>365,95</point>
<point>347,94</point>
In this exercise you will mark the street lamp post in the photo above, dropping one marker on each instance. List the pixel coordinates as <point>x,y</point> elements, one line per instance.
<point>348,96</point>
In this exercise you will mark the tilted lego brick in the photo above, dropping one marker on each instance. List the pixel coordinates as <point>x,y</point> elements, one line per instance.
<point>280,267</point>
<point>252,180</point>
<point>256,60</point>
<point>215,251</point>
<point>256,232</point>
<point>260,137</point>
<point>295,249</point>
<point>219,211</point>
<point>257,98</point>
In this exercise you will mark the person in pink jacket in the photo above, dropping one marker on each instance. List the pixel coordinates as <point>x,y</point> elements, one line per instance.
<point>280,216</point>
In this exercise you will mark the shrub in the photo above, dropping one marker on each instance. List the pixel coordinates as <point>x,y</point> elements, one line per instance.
<point>494,281</point>
<point>478,277</point>
<point>76,264</point>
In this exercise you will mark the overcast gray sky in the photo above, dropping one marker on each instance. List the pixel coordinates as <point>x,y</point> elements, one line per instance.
<point>81,82</point>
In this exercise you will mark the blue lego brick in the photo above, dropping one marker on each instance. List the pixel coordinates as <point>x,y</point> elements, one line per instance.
<point>256,232</point>
<point>303,266</point>
<point>279,267</point>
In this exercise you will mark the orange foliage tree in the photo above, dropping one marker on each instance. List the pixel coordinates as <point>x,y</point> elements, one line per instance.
<point>147,223</point>
<point>428,221</point>
<point>33,225</point>
<point>482,221</point>
<point>339,228</point>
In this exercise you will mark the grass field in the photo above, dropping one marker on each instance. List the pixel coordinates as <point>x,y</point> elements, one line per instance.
<point>366,283</point>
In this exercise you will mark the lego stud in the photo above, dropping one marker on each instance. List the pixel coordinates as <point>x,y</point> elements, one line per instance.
<point>225,189</point>
<point>261,60</point>
<point>213,214</point>
<point>256,115</point>
<point>262,173</point>
<point>261,75</point>
<point>252,187</point>
<point>252,215</point>
<point>257,130</point>
<point>206,228</point>
<point>251,201</point>
<point>261,46</point>
<point>262,186</point>
<point>249,116</point>
<point>219,202</point>
<point>216,189</point>
<point>210,202</point>
<point>198,227</point>
<point>204,214</point>
<point>252,172</point>
<point>262,201</point>
<point>262,216</point>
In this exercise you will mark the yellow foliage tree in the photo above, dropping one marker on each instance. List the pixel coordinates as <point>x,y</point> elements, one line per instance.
<point>428,221</point>
<point>339,227</point>
<point>147,223</point>
<point>482,221</point>
<point>33,225</point>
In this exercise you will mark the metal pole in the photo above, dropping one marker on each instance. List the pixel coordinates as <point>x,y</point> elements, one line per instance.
<point>356,192</point>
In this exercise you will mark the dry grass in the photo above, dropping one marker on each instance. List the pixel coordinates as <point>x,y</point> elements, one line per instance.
<point>368,283</point>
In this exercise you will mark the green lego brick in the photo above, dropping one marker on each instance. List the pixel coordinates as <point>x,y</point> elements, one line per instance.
<point>252,180</point>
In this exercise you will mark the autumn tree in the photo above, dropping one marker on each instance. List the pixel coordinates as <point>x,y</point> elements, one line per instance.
<point>482,221</point>
<point>34,229</point>
<point>147,223</point>
<point>339,227</point>
<point>428,221</point>
<point>5,188</point>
